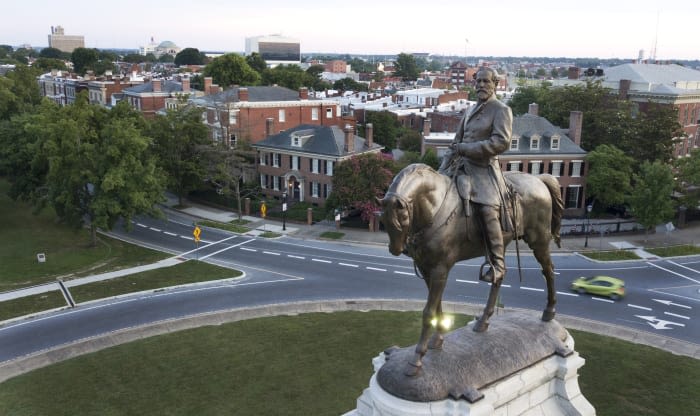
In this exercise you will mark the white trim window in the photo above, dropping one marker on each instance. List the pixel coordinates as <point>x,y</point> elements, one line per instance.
<point>314,189</point>
<point>262,158</point>
<point>514,166</point>
<point>514,143</point>
<point>329,112</point>
<point>556,167</point>
<point>295,162</point>
<point>263,181</point>
<point>556,141</point>
<point>276,183</point>
<point>276,160</point>
<point>329,168</point>
<point>535,142</point>
<point>282,116</point>
<point>576,168</point>
<point>314,114</point>
<point>314,165</point>
<point>535,167</point>
<point>232,118</point>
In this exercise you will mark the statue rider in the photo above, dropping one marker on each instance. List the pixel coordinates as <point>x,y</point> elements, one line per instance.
<point>483,133</point>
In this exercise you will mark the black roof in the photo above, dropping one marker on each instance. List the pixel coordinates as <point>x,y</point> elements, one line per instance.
<point>320,140</point>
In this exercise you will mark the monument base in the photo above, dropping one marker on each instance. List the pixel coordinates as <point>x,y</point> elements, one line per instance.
<point>548,387</point>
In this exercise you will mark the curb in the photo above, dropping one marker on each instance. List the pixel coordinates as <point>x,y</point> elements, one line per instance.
<point>39,359</point>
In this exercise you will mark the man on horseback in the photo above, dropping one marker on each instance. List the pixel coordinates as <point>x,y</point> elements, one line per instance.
<point>472,162</point>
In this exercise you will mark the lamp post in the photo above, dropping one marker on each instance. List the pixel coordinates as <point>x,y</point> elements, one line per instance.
<point>284,211</point>
<point>589,208</point>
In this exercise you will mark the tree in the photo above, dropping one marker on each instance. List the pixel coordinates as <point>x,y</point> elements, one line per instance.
<point>406,67</point>
<point>651,201</point>
<point>134,58</point>
<point>349,84</point>
<point>178,138</point>
<point>256,61</point>
<point>288,76</point>
<point>84,59</point>
<point>609,165</point>
<point>688,169</point>
<point>231,69</point>
<point>385,128</point>
<point>409,140</point>
<point>358,181</point>
<point>98,167</point>
<point>226,169</point>
<point>19,91</point>
<point>657,128</point>
<point>190,56</point>
<point>52,53</point>
<point>47,64</point>
<point>430,158</point>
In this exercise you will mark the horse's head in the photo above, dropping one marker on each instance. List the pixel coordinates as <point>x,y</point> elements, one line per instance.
<point>396,218</point>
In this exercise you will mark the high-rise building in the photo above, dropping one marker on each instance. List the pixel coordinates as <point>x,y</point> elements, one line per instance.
<point>275,49</point>
<point>65,43</point>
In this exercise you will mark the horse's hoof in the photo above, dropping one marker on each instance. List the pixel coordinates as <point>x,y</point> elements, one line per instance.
<point>413,369</point>
<point>548,315</point>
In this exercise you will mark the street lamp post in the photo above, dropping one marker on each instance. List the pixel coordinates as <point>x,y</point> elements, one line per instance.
<point>589,208</point>
<point>284,211</point>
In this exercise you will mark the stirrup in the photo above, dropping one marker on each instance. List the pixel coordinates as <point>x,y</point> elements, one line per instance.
<point>485,277</point>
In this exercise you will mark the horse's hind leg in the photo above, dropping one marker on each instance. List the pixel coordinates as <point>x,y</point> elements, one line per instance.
<point>543,256</point>
<point>482,324</point>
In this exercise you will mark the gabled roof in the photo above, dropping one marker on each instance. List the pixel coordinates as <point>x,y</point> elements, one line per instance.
<point>528,125</point>
<point>323,141</point>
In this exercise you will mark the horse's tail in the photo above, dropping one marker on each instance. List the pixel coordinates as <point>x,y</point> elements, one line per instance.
<point>557,206</point>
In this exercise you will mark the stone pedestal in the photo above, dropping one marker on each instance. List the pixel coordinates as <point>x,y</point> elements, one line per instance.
<point>544,386</point>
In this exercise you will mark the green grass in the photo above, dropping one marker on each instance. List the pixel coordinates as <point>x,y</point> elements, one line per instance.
<point>184,273</point>
<point>332,235</point>
<point>233,226</point>
<point>69,252</point>
<point>614,255</point>
<point>312,364</point>
<point>673,251</point>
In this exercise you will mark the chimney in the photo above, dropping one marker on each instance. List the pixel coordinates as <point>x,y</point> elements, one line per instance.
<point>624,88</point>
<point>427,124</point>
<point>156,85</point>
<point>303,93</point>
<point>349,139</point>
<point>269,127</point>
<point>207,84</point>
<point>575,125</point>
<point>369,135</point>
<point>185,85</point>
<point>243,94</point>
<point>533,109</point>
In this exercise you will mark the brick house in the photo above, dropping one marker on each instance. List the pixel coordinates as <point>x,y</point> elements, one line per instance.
<point>300,160</point>
<point>243,113</point>
<point>104,91</point>
<point>670,85</point>
<point>150,97</point>
<point>536,147</point>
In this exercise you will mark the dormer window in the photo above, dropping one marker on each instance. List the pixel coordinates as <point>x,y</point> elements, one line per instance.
<point>300,137</point>
<point>514,141</point>
<point>535,142</point>
<point>555,143</point>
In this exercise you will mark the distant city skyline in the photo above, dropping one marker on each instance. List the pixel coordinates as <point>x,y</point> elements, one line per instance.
<point>589,29</point>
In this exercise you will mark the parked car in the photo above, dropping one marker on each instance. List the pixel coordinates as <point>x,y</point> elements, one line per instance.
<point>611,287</point>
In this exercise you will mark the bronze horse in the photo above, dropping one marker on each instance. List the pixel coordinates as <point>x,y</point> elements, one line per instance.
<point>425,219</point>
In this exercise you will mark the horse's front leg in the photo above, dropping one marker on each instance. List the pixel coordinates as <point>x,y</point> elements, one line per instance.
<point>432,312</point>
<point>482,324</point>
<point>545,259</point>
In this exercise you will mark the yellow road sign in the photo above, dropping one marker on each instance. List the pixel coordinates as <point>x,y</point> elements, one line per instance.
<point>263,210</point>
<point>196,233</point>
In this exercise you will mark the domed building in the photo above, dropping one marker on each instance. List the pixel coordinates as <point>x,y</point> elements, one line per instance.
<point>160,49</point>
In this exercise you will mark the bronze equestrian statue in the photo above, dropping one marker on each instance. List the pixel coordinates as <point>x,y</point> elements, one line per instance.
<point>470,209</point>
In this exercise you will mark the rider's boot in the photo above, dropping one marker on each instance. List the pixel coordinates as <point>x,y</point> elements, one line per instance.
<point>493,235</point>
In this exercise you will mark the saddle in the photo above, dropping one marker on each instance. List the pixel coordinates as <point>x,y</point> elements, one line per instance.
<point>509,202</point>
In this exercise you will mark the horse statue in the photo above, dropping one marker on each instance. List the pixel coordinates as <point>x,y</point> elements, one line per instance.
<point>425,219</point>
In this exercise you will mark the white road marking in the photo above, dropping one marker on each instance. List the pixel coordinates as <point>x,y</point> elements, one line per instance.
<point>672,272</point>
<point>536,289</point>
<point>685,267</point>
<point>186,237</point>
<point>468,281</point>
<point>567,294</point>
<point>603,300</point>
<point>224,249</point>
<point>406,273</point>
<point>142,225</point>
<point>271,253</point>
<point>375,268</point>
<point>676,315</point>
<point>669,303</point>
<point>296,257</point>
<point>155,229</point>
<point>170,234</point>
<point>249,249</point>
<point>321,260</point>
<point>348,265</point>
<point>639,307</point>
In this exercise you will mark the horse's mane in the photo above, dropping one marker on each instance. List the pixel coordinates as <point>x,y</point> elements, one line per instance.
<point>419,169</point>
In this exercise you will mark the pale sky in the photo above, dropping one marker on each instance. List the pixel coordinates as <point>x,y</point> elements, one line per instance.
<point>566,28</point>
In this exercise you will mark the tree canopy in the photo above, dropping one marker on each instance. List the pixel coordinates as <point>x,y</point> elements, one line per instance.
<point>651,201</point>
<point>84,59</point>
<point>609,165</point>
<point>231,69</point>
<point>385,128</point>
<point>190,56</point>
<point>406,67</point>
